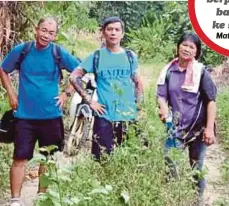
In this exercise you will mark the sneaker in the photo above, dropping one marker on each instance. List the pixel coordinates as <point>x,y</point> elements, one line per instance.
<point>15,202</point>
<point>40,194</point>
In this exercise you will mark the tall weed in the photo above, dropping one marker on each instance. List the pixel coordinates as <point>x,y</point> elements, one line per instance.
<point>134,174</point>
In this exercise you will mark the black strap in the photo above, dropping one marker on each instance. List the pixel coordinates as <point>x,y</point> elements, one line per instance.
<point>97,56</point>
<point>56,55</point>
<point>96,63</point>
<point>168,73</point>
<point>57,59</point>
<point>26,49</point>
<point>130,59</point>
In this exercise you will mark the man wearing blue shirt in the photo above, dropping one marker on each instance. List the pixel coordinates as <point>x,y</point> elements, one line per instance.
<point>119,87</point>
<point>38,105</point>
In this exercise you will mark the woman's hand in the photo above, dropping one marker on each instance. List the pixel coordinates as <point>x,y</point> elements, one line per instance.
<point>209,136</point>
<point>163,108</point>
<point>163,112</point>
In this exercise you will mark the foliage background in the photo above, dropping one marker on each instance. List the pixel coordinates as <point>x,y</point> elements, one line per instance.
<point>134,174</point>
<point>152,28</point>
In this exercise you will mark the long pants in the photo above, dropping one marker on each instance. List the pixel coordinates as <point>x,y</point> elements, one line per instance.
<point>197,150</point>
<point>106,135</point>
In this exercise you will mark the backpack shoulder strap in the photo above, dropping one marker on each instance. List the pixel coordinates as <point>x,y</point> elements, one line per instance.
<point>168,75</point>
<point>95,66</point>
<point>203,70</point>
<point>25,50</point>
<point>130,59</point>
<point>57,59</point>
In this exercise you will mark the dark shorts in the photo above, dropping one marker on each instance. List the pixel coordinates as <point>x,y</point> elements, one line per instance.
<point>107,134</point>
<point>27,132</point>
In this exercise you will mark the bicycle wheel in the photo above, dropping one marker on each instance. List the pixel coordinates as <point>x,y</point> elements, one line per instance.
<point>74,137</point>
<point>86,132</point>
<point>79,136</point>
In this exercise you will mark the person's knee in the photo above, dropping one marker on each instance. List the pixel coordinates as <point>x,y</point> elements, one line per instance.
<point>197,163</point>
<point>19,163</point>
<point>42,169</point>
<point>196,159</point>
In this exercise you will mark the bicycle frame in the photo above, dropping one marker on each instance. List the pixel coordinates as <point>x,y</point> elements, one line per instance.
<point>81,118</point>
<point>78,107</point>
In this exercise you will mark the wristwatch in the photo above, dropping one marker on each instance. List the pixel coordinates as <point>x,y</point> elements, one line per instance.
<point>68,93</point>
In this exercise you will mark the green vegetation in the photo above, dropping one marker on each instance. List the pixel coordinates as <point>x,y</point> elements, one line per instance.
<point>223,116</point>
<point>134,174</point>
<point>6,151</point>
<point>223,130</point>
<point>153,28</point>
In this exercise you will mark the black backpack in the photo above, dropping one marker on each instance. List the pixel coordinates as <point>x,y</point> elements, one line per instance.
<point>56,55</point>
<point>7,127</point>
<point>96,61</point>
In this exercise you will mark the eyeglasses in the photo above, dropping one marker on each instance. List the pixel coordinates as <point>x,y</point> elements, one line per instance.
<point>46,31</point>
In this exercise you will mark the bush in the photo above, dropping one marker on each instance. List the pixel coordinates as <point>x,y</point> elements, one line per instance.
<point>149,41</point>
<point>210,57</point>
<point>133,175</point>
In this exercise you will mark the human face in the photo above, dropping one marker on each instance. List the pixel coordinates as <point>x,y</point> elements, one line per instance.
<point>187,50</point>
<point>113,34</point>
<point>45,33</point>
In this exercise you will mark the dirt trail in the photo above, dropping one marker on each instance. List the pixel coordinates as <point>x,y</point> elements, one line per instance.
<point>215,190</point>
<point>29,192</point>
<point>30,186</point>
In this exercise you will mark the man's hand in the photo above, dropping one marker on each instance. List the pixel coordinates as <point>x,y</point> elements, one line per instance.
<point>13,101</point>
<point>99,108</point>
<point>209,136</point>
<point>62,98</point>
<point>7,84</point>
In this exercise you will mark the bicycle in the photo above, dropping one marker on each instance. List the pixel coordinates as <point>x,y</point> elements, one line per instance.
<point>82,118</point>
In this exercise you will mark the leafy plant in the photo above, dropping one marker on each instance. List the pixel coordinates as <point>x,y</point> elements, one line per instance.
<point>148,41</point>
<point>210,57</point>
<point>133,174</point>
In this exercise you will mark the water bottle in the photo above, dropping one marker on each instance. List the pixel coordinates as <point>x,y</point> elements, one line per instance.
<point>169,120</point>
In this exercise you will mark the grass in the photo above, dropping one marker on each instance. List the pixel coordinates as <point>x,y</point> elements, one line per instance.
<point>80,44</point>
<point>5,151</point>
<point>223,117</point>
<point>223,131</point>
<point>134,174</point>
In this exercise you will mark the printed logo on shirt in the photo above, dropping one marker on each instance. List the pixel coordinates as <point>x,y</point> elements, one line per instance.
<point>113,73</point>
